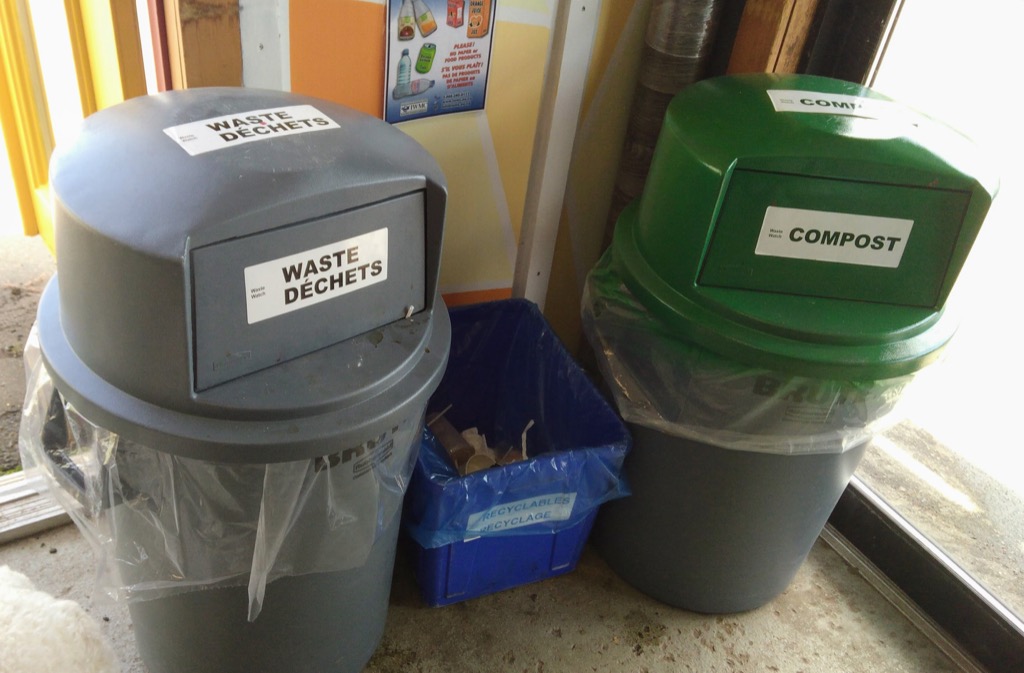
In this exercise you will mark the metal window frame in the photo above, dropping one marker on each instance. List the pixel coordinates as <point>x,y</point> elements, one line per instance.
<point>980,625</point>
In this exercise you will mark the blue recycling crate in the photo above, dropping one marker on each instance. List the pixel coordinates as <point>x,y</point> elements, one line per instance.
<point>467,569</point>
<point>526,521</point>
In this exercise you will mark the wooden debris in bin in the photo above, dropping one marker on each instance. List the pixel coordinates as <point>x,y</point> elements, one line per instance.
<point>469,450</point>
<point>457,447</point>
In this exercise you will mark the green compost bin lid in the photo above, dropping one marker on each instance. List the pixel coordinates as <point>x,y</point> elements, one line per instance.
<point>804,224</point>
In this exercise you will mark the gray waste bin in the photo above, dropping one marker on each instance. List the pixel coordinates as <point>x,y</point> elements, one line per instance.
<point>761,309</point>
<point>230,368</point>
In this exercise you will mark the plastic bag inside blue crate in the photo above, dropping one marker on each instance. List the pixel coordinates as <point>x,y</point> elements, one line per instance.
<point>507,368</point>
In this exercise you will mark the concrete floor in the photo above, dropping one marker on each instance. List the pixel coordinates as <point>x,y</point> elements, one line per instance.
<point>25,266</point>
<point>829,619</point>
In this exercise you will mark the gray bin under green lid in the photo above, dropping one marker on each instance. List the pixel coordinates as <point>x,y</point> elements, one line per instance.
<point>244,330</point>
<point>762,307</point>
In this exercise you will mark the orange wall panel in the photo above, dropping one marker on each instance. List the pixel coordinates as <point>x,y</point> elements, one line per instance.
<point>328,61</point>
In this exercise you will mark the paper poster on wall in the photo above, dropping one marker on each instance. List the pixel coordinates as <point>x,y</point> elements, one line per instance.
<point>438,57</point>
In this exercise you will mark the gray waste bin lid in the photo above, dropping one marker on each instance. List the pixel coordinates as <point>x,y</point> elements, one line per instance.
<point>243,274</point>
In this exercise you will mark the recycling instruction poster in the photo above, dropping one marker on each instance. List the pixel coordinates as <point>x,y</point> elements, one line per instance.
<point>438,57</point>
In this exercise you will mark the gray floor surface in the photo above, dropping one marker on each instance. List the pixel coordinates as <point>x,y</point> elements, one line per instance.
<point>829,620</point>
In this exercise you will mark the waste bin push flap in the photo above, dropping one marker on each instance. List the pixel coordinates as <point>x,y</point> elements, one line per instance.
<point>236,352</point>
<point>804,224</point>
<point>367,263</point>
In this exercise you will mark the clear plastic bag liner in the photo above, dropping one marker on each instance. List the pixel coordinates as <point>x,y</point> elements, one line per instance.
<point>506,367</point>
<point>683,390</point>
<point>161,524</point>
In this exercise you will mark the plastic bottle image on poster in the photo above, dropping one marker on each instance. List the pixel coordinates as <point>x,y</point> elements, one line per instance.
<point>438,57</point>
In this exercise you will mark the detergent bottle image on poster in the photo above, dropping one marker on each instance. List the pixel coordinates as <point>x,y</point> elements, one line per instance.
<point>424,17</point>
<point>406,21</point>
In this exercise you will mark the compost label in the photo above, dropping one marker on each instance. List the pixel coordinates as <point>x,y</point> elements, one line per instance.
<point>289,283</point>
<point>526,512</point>
<point>824,236</point>
<point>788,100</point>
<point>218,133</point>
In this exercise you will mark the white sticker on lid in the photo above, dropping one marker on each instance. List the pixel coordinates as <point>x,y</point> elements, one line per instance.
<point>825,236</point>
<point>217,133</point>
<point>791,100</point>
<point>289,283</point>
<point>552,507</point>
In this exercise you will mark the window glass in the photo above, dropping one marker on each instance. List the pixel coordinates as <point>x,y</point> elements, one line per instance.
<point>955,467</point>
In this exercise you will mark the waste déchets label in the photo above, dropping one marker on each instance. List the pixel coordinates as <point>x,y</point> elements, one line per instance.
<point>526,512</point>
<point>217,133</point>
<point>305,278</point>
<point>824,236</point>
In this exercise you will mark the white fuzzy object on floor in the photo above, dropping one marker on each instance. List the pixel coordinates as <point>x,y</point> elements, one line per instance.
<point>42,634</point>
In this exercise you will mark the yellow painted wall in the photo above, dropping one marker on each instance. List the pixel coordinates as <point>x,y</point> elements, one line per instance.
<point>513,104</point>
<point>611,81</point>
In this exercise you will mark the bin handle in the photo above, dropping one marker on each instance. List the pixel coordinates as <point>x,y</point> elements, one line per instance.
<point>56,440</point>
